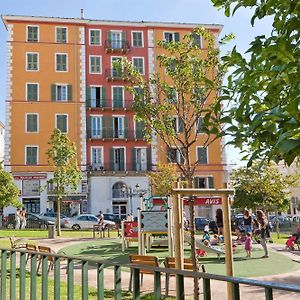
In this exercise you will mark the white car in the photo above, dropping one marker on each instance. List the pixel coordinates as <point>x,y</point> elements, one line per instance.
<point>85,221</point>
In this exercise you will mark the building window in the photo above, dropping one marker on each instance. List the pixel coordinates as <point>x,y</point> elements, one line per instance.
<point>61,92</point>
<point>139,129</point>
<point>32,61</point>
<point>172,95</point>
<point>118,127</point>
<point>95,37</point>
<point>116,39</point>
<point>32,91</point>
<point>202,155</point>
<point>204,182</point>
<point>138,63</point>
<point>32,33</point>
<point>174,156</point>
<point>31,122</point>
<point>31,155</point>
<point>61,62</point>
<point>96,126</point>
<point>118,96</point>
<point>199,125</point>
<point>140,159</point>
<point>62,123</point>
<point>197,40</point>
<point>96,96</point>
<point>118,159</point>
<point>61,35</point>
<point>95,64</point>
<point>97,158</point>
<point>171,36</point>
<point>137,39</point>
<point>178,125</point>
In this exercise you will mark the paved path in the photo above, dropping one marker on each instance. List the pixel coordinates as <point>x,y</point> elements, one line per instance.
<point>218,288</point>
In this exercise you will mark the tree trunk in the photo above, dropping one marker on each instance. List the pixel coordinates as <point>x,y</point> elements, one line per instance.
<point>58,227</point>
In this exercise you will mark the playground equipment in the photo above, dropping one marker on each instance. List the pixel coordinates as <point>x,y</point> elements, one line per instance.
<point>129,233</point>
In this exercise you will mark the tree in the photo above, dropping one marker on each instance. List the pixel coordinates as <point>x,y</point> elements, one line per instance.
<point>263,90</point>
<point>262,187</point>
<point>9,193</point>
<point>62,156</point>
<point>193,78</point>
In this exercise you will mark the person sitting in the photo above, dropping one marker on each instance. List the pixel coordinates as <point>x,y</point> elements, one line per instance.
<point>214,241</point>
<point>206,236</point>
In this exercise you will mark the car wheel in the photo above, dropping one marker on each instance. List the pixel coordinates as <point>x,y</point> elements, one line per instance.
<point>43,226</point>
<point>76,227</point>
<point>10,226</point>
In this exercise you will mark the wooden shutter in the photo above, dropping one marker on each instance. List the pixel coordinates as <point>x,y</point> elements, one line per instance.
<point>133,158</point>
<point>88,96</point>
<point>123,39</point>
<point>176,36</point>
<point>53,92</point>
<point>111,159</point>
<point>126,127</point>
<point>149,159</point>
<point>210,182</point>
<point>202,155</point>
<point>199,125</point>
<point>122,159</point>
<point>109,36</point>
<point>88,126</point>
<point>69,92</point>
<point>103,97</point>
<point>180,125</point>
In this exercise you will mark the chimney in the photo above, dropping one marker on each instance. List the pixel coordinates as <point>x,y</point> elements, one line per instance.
<point>82,13</point>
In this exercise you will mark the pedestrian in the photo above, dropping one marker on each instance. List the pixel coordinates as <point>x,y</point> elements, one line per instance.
<point>247,221</point>
<point>248,244</point>
<point>100,221</point>
<point>263,231</point>
<point>18,219</point>
<point>23,218</point>
<point>219,221</point>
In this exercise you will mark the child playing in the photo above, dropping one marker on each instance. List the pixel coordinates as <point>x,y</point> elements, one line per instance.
<point>214,241</point>
<point>248,244</point>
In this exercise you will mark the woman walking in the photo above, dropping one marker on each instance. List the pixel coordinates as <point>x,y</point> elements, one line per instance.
<point>23,218</point>
<point>263,230</point>
<point>247,220</point>
<point>219,221</point>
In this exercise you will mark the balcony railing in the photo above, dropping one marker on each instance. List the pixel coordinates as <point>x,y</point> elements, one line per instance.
<point>112,166</point>
<point>102,104</point>
<point>115,134</point>
<point>116,75</point>
<point>89,270</point>
<point>117,46</point>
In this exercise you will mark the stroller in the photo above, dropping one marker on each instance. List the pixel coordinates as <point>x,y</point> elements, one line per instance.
<point>293,240</point>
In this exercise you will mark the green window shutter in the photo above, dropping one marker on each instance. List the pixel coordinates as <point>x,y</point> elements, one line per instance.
<point>69,92</point>
<point>123,39</point>
<point>195,183</point>
<point>202,155</point>
<point>133,159</point>
<point>176,36</point>
<point>53,92</point>
<point>109,126</point>
<point>122,159</point>
<point>200,125</point>
<point>104,126</point>
<point>180,125</point>
<point>111,159</point>
<point>88,96</point>
<point>210,182</point>
<point>88,126</point>
<point>103,96</point>
<point>149,159</point>
<point>109,36</point>
<point>126,127</point>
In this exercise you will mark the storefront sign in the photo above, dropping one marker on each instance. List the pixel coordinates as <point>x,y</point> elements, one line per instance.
<point>30,188</point>
<point>205,201</point>
<point>30,177</point>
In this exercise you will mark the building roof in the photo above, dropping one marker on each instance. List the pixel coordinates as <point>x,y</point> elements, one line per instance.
<point>6,18</point>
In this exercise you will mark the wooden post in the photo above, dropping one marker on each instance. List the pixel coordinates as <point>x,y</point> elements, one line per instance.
<point>140,236</point>
<point>228,242</point>
<point>170,235</point>
<point>123,236</point>
<point>177,233</point>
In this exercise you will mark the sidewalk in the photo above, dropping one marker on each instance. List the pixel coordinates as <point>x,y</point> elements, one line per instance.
<point>218,288</point>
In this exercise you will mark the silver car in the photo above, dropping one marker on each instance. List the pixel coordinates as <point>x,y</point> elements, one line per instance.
<point>84,221</point>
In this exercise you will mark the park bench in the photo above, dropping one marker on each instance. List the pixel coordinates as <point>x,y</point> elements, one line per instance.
<point>51,259</point>
<point>30,247</point>
<point>17,243</point>
<point>187,265</point>
<point>144,260</point>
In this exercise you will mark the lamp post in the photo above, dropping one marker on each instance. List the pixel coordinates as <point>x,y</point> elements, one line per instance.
<point>129,193</point>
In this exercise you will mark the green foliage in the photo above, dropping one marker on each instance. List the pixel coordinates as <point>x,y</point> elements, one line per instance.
<point>263,90</point>
<point>193,76</point>
<point>261,187</point>
<point>62,156</point>
<point>8,191</point>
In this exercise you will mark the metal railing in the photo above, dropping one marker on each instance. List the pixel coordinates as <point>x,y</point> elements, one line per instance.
<point>27,289</point>
<point>110,133</point>
<point>101,104</point>
<point>117,45</point>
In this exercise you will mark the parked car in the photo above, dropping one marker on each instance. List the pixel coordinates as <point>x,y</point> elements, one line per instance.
<point>112,217</point>
<point>32,221</point>
<point>51,216</point>
<point>85,221</point>
<point>201,222</point>
<point>284,221</point>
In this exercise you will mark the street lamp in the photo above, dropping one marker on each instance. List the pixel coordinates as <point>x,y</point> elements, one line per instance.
<point>129,193</point>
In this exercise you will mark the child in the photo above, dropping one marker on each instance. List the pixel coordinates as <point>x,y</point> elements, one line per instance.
<point>206,236</point>
<point>248,244</point>
<point>214,241</point>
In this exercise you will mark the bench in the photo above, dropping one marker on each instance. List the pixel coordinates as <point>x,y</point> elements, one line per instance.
<point>17,243</point>
<point>30,247</point>
<point>187,265</point>
<point>144,260</point>
<point>51,259</point>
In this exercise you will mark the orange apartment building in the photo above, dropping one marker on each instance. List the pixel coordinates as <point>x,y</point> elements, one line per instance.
<point>61,74</point>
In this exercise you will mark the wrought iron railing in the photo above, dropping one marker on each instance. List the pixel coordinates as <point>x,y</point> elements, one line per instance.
<point>110,133</point>
<point>28,290</point>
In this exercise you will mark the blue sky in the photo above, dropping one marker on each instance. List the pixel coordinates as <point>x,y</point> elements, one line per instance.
<point>190,11</point>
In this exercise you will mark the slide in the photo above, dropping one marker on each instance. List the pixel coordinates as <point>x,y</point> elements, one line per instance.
<point>200,245</point>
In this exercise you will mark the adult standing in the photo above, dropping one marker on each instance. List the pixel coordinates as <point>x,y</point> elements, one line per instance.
<point>219,221</point>
<point>100,220</point>
<point>263,230</point>
<point>23,218</point>
<point>18,219</point>
<point>247,220</point>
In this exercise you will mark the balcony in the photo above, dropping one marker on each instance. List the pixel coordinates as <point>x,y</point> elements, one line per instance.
<point>111,134</point>
<point>120,166</point>
<point>114,46</point>
<point>116,75</point>
<point>102,104</point>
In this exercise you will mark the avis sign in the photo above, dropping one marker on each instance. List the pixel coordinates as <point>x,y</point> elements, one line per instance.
<point>205,201</point>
